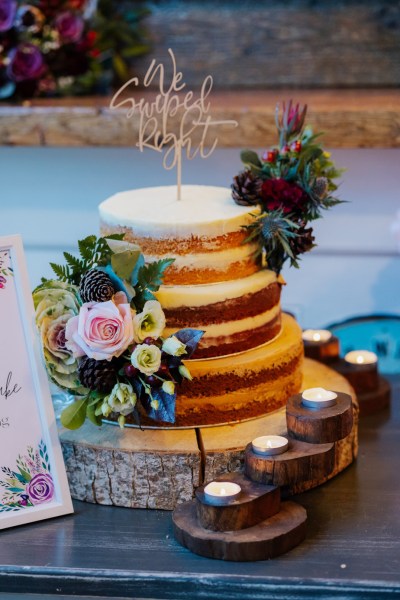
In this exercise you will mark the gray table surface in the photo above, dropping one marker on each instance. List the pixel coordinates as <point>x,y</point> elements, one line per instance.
<point>352,549</point>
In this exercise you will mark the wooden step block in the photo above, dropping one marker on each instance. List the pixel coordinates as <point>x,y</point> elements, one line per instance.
<point>376,400</point>
<point>301,462</point>
<point>255,504</point>
<point>270,538</point>
<point>363,377</point>
<point>319,426</point>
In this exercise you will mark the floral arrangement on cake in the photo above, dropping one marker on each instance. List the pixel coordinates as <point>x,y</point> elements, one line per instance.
<point>292,183</point>
<point>101,330</point>
<point>64,47</point>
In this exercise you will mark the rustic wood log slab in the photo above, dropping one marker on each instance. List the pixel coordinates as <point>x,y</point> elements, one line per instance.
<point>301,462</point>
<point>255,504</point>
<point>322,425</point>
<point>270,538</point>
<point>162,468</point>
<point>376,400</point>
<point>325,352</point>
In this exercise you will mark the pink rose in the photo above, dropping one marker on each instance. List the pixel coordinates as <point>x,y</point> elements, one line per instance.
<point>102,330</point>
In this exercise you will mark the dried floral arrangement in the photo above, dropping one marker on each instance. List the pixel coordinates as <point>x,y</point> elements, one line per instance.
<point>292,183</point>
<point>101,330</point>
<point>67,47</point>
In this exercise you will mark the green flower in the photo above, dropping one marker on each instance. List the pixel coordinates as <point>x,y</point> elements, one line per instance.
<point>55,303</point>
<point>122,399</point>
<point>174,346</point>
<point>149,323</point>
<point>146,358</point>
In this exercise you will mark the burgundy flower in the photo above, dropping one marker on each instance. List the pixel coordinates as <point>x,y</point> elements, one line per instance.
<point>40,488</point>
<point>8,8</point>
<point>26,62</point>
<point>69,26</point>
<point>281,194</point>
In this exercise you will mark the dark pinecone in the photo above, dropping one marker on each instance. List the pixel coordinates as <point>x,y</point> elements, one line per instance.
<point>303,242</point>
<point>100,375</point>
<point>246,189</point>
<point>320,187</point>
<point>96,286</point>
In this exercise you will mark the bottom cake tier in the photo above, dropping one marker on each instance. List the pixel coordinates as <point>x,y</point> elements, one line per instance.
<point>241,386</point>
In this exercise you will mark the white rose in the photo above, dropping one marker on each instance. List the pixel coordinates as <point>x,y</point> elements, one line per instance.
<point>146,358</point>
<point>122,398</point>
<point>149,323</point>
<point>174,346</point>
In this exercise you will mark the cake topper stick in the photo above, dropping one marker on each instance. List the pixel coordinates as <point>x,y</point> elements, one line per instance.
<point>175,120</point>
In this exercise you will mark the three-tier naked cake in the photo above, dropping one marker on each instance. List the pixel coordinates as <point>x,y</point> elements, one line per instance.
<point>249,360</point>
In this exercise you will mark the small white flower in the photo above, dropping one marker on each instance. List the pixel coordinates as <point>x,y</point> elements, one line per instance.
<point>146,358</point>
<point>122,398</point>
<point>174,346</point>
<point>184,371</point>
<point>168,387</point>
<point>149,323</point>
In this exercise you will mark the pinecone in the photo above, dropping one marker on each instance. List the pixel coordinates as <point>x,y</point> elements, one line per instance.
<point>303,242</point>
<point>100,375</point>
<point>96,286</point>
<point>246,189</point>
<point>320,187</point>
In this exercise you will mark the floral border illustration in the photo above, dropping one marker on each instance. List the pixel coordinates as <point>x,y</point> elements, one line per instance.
<point>30,484</point>
<point>5,268</point>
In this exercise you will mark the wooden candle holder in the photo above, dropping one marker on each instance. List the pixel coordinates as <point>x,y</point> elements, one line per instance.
<point>301,462</point>
<point>255,504</point>
<point>269,538</point>
<point>322,425</point>
<point>363,377</point>
<point>326,352</point>
<point>375,400</point>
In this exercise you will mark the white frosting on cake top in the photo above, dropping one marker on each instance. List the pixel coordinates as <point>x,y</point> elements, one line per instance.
<point>155,212</point>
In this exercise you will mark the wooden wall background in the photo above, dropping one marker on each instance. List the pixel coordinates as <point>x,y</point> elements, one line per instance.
<point>280,43</point>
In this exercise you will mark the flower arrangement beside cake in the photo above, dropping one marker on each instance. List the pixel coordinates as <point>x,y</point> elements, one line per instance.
<point>101,331</point>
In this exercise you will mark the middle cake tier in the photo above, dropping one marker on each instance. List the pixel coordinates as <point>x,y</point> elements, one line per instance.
<point>235,315</point>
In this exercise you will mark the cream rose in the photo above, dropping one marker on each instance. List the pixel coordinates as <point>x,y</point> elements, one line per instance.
<point>146,358</point>
<point>102,330</point>
<point>122,398</point>
<point>149,323</point>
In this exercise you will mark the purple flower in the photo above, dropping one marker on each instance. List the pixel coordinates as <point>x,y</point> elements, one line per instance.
<point>26,62</point>
<point>40,488</point>
<point>8,9</point>
<point>69,26</point>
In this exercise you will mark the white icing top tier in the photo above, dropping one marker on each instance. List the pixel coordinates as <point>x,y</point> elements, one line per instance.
<point>203,211</point>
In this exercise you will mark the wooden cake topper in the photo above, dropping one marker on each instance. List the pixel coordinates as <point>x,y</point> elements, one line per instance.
<point>155,115</point>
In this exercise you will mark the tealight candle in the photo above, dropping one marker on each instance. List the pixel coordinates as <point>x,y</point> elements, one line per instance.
<point>318,398</point>
<point>361,357</point>
<point>316,335</point>
<point>269,445</point>
<point>221,492</point>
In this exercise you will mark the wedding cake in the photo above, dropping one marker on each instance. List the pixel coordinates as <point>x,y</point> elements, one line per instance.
<point>249,360</point>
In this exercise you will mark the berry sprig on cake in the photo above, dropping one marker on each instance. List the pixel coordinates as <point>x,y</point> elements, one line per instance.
<point>292,183</point>
<point>102,329</point>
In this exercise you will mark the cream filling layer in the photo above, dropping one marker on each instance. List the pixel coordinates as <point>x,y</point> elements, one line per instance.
<point>203,211</point>
<point>229,328</point>
<point>174,296</point>
<point>216,261</point>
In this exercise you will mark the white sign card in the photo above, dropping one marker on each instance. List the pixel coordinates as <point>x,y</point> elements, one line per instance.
<point>33,481</point>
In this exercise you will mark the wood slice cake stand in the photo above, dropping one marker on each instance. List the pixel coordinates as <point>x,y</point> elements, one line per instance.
<point>162,468</point>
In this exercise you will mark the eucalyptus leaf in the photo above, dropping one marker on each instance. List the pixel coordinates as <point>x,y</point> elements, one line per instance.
<point>123,263</point>
<point>249,157</point>
<point>74,415</point>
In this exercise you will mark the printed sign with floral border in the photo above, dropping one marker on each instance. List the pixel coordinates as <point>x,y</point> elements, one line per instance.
<point>33,482</point>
